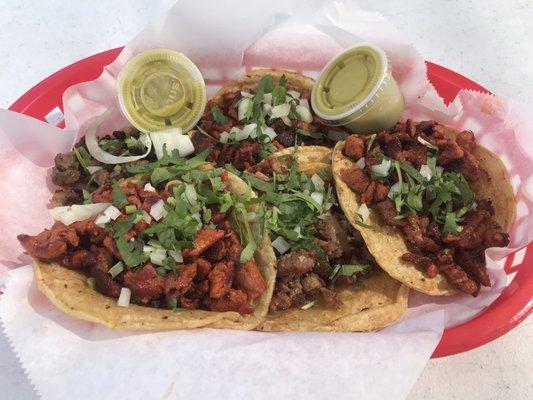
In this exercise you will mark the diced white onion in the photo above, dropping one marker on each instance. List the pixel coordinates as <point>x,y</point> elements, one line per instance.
<point>393,190</point>
<point>425,171</point>
<point>101,220</point>
<point>146,217</point>
<point>286,120</point>
<point>294,94</point>
<point>241,135</point>
<point>184,145</point>
<point>157,256</point>
<point>112,212</point>
<point>271,133</point>
<point>298,229</point>
<point>318,197</point>
<point>236,133</point>
<point>244,133</point>
<point>224,137</point>
<point>327,206</point>
<point>318,182</point>
<point>280,111</point>
<point>426,143</point>
<point>253,134</point>
<point>197,217</point>
<point>281,245</point>
<point>124,298</point>
<point>251,217</point>
<point>382,169</point>
<point>248,129</point>
<point>267,98</point>
<point>267,109</point>
<point>148,249</point>
<point>439,170</point>
<point>361,163</point>
<point>96,151</point>
<point>190,194</point>
<point>149,188</point>
<point>155,243</point>
<point>244,106</point>
<point>363,212</point>
<point>246,94</point>
<point>77,212</point>
<point>304,113</point>
<point>337,136</point>
<point>165,139</point>
<point>176,255</point>
<point>158,210</point>
<point>93,169</point>
<point>305,103</point>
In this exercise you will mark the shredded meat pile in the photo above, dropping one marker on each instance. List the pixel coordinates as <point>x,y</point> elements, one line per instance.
<point>244,154</point>
<point>211,277</point>
<point>69,175</point>
<point>304,275</point>
<point>460,257</point>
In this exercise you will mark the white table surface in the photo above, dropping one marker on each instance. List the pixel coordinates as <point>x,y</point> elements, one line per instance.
<point>488,41</point>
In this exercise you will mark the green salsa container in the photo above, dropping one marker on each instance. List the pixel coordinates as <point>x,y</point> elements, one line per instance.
<point>160,89</point>
<point>356,90</point>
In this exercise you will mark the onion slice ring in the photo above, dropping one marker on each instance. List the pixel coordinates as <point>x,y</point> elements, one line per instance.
<point>104,157</point>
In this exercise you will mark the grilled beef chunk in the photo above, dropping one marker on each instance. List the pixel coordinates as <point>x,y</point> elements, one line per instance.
<point>296,263</point>
<point>145,284</point>
<point>179,282</point>
<point>460,257</point>
<point>355,178</point>
<point>249,279</point>
<point>354,147</point>
<point>305,275</point>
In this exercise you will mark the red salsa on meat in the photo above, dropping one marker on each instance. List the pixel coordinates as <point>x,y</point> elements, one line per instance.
<point>167,230</point>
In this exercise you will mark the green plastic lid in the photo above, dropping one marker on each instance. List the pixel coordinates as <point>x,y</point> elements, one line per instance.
<point>161,88</point>
<point>350,83</point>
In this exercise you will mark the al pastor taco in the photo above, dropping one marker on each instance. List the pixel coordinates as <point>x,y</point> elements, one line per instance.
<point>167,234</point>
<point>326,278</point>
<point>428,201</point>
<point>257,115</point>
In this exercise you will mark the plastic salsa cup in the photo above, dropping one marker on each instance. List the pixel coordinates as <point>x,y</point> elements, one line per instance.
<point>356,90</point>
<point>159,89</point>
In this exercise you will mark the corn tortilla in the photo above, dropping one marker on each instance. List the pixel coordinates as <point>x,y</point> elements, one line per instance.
<point>374,302</point>
<point>387,243</point>
<point>68,290</point>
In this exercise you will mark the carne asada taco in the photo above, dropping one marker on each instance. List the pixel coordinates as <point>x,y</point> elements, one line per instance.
<point>326,278</point>
<point>169,234</point>
<point>428,201</point>
<point>257,115</point>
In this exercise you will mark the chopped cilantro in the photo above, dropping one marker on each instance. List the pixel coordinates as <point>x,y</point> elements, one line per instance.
<point>131,255</point>
<point>124,225</point>
<point>219,118</point>
<point>119,197</point>
<point>346,270</point>
<point>83,156</point>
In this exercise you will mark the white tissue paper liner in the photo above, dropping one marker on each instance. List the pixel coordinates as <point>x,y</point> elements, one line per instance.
<point>66,357</point>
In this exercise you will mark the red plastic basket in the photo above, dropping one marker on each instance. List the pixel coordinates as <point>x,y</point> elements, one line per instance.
<point>514,304</point>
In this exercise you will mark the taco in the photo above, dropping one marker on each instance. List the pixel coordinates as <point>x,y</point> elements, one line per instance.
<point>428,200</point>
<point>326,278</point>
<point>257,115</point>
<point>169,235</point>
